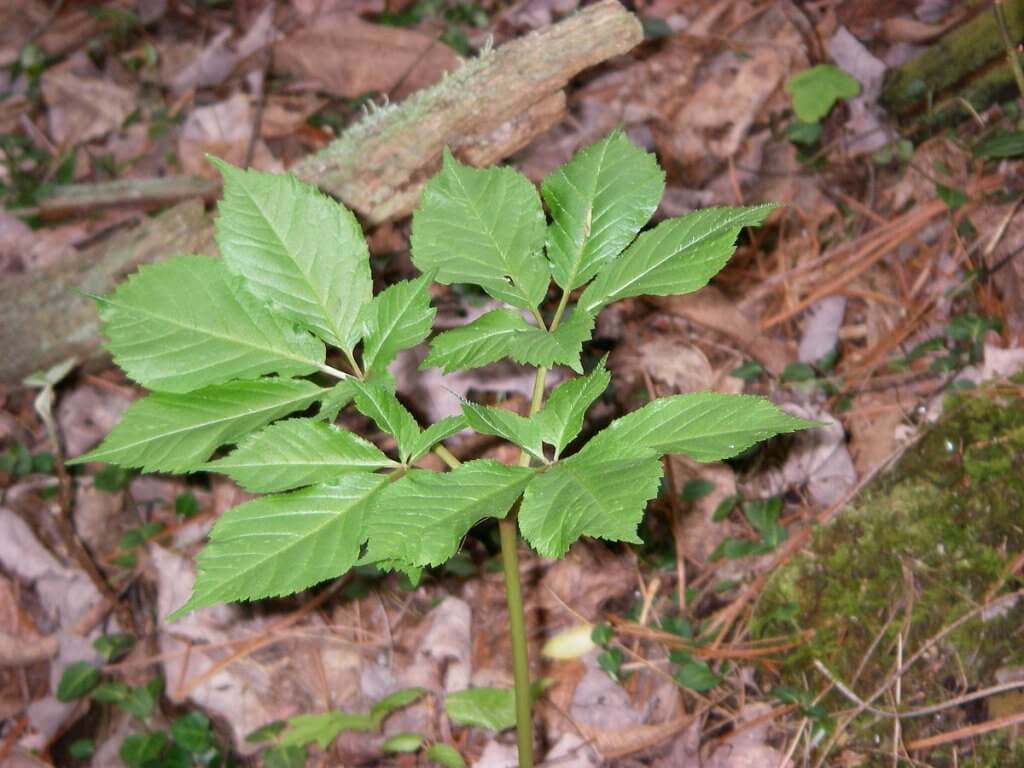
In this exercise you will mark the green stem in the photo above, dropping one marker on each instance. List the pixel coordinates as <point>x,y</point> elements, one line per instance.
<point>514,597</point>
<point>560,311</point>
<point>355,366</point>
<point>517,630</point>
<point>330,371</point>
<point>446,456</point>
<point>513,585</point>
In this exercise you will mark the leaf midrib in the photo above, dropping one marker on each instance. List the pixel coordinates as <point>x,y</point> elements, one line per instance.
<point>577,260</point>
<point>702,238</point>
<point>203,425</point>
<point>330,518</point>
<point>321,299</point>
<point>212,334</point>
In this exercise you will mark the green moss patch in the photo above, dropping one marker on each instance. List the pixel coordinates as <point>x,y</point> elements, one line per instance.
<point>921,548</point>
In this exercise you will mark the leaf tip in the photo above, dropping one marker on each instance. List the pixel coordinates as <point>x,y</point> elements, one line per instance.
<point>221,165</point>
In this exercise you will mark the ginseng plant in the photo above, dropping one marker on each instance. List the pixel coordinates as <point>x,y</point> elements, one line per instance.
<point>235,351</point>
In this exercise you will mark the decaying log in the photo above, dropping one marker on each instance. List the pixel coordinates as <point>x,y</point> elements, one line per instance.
<point>488,109</point>
<point>945,68</point>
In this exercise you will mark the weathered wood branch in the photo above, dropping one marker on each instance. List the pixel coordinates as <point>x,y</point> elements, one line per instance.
<point>74,199</point>
<point>490,108</point>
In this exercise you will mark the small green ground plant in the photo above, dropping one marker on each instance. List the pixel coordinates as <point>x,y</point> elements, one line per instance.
<point>235,351</point>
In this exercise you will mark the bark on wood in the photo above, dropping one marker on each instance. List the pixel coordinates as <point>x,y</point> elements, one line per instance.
<point>485,111</point>
<point>956,56</point>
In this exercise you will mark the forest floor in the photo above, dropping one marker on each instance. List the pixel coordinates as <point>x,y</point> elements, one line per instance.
<point>847,597</point>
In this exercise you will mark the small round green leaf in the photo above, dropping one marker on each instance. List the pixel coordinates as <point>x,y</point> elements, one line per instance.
<point>192,732</point>
<point>816,90</point>
<point>697,676</point>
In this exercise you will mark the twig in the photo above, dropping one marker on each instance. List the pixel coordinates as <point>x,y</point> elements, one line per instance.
<point>923,711</point>
<point>74,199</point>
<point>970,730</point>
<point>267,638</point>
<point>66,526</point>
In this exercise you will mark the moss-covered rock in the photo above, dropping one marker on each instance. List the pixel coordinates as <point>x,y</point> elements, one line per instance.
<point>924,545</point>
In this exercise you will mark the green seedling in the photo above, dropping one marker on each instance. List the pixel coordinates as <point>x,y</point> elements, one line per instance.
<point>186,741</point>
<point>816,90</point>
<point>234,350</point>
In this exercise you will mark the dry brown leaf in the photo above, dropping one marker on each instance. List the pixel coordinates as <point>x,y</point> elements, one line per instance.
<point>749,748</point>
<point>283,114</point>
<point>818,459</point>
<point>350,57</point>
<point>584,579</point>
<point>225,130</point>
<point>312,10</point>
<point>711,309</point>
<point>220,57</point>
<point>22,249</point>
<point>873,422</point>
<point>83,104</point>
<point>715,119</point>
<point>257,689</point>
<point>673,365</point>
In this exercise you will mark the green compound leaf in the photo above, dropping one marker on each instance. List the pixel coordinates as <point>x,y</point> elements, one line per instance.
<point>600,492</point>
<point>483,226</point>
<point>298,452</point>
<point>506,333</point>
<point>176,433</point>
<point>188,323</point>
<point>505,424</point>
<point>421,518</point>
<point>678,256</point>
<point>816,90</point>
<point>598,203</point>
<point>435,433</point>
<point>398,318</point>
<point>706,426</point>
<point>322,728</point>
<point>380,404</point>
<point>562,417</point>
<point>297,249</point>
<point>278,545</point>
